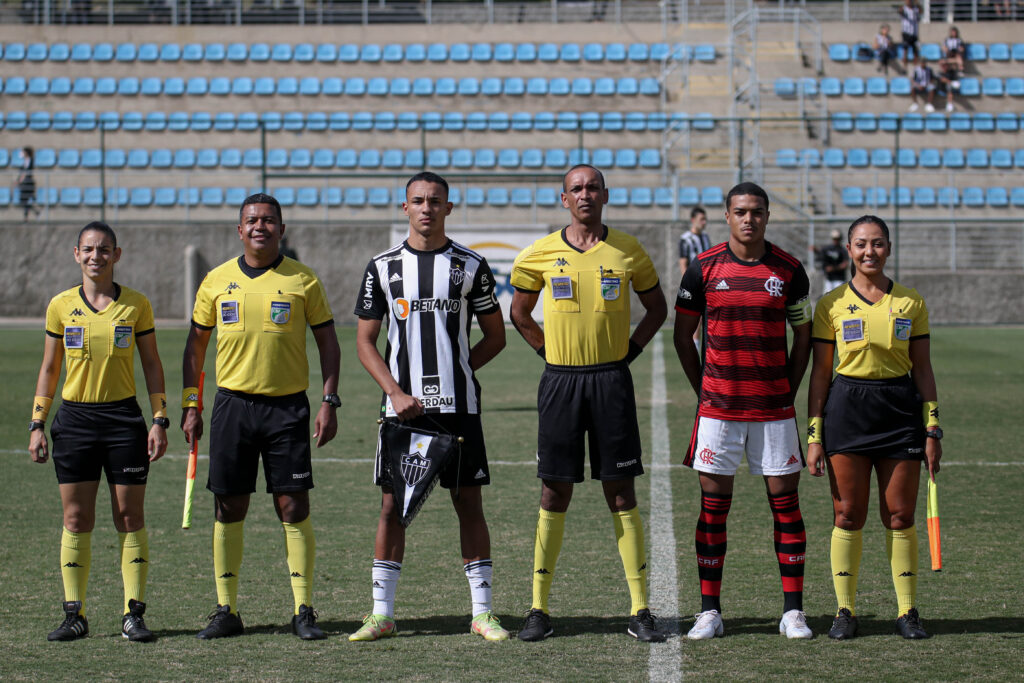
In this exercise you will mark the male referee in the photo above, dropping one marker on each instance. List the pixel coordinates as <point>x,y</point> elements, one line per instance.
<point>585,271</point>
<point>260,304</point>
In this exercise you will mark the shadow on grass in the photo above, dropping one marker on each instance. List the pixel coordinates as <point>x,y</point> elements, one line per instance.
<point>875,625</point>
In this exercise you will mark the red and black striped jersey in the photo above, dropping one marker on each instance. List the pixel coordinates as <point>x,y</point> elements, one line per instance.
<point>745,305</point>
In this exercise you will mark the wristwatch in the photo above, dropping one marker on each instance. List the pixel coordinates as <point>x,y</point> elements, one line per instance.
<point>332,400</point>
<point>934,433</point>
<point>162,421</point>
<point>35,424</point>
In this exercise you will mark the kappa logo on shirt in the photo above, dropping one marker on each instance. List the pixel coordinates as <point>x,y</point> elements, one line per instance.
<point>78,312</point>
<point>853,307</point>
<point>561,262</point>
<point>231,286</point>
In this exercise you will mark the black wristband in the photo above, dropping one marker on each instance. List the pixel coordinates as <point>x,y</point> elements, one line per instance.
<point>634,351</point>
<point>540,352</point>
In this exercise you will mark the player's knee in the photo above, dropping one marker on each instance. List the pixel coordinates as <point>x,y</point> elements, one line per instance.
<point>849,518</point>
<point>898,519</point>
<point>78,520</point>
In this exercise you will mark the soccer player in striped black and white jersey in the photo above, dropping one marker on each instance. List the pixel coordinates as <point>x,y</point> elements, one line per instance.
<point>746,289</point>
<point>430,288</point>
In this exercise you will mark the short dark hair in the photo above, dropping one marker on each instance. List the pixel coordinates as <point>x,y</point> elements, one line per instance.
<point>260,198</point>
<point>427,177</point>
<point>867,219</point>
<point>746,188</point>
<point>696,211</point>
<point>98,226</point>
<point>579,166</point>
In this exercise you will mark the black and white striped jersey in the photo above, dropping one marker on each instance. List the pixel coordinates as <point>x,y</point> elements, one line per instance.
<point>430,298</point>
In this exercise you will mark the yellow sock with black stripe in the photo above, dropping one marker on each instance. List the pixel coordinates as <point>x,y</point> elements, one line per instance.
<point>134,564</point>
<point>547,545</point>
<point>300,544</point>
<point>901,545</point>
<point>629,533</point>
<point>846,552</point>
<point>228,544</point>
<point>75,560</point>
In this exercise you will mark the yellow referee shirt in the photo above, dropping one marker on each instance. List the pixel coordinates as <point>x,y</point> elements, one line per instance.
<point>873,340</point>
<point>586,294</point>
<point>99,346</point>
<point>261,316</point>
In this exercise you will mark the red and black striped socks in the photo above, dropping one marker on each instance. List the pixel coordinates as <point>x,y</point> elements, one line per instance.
<point>790,547</point>
<point>711,546</point>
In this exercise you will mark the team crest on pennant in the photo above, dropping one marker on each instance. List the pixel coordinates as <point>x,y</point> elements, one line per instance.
<point>414,466</point>
<point>610,288</point>
<point>457,275</point>
<point>122,336</point>
<point>280,312</point>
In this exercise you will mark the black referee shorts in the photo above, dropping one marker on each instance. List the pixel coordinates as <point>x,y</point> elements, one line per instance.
<point>93,437</point>
<point>469,469</point>
<point>596,400</point>
<point>245,426</point>
<point>874,418</point>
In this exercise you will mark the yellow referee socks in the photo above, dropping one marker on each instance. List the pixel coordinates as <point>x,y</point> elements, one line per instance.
<point>901,545</point>
<point>75,558</point>
<point>629,532</point>
<point>300,544</point>
<point>846,552</point>
<point>134,565</point>
<point>547,546</point>
<point>228,544</point>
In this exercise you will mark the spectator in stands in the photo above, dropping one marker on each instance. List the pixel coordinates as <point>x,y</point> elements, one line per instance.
<point>885,50</point>
<point>910,17</point>
<point>26,182</point>
<point>922,82</point>
<point>694,241</point>
<point>954,50</point>
<point>947,81</point>
<point>834,262</point>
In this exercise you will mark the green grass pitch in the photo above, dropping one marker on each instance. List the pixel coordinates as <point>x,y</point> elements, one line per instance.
<point>973,608</point>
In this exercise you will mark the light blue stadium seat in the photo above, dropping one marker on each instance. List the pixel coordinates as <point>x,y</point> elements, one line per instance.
<point>1018,52</point>
<point>1002,158</point>
<point>992,87</point>
<point>184,158</point>
<point>508,158</point>
<point>92,158</point>
<point>190,52</point>
<point>287,86</point>
<point>109,120</point>
<point>906,158</point>
<point>582,87</point>
<point>316,121</point>
<point>689,196</point>
<point>369,158</point>
<point>453,121</point>
<point>785,87</point>
<point>400,87</point>
<point>876,197</point>
<point>618,196</point>
<point>164,197</point>
<point>1015,87</point>
<point>662,51</point>
<point>935,122</point>
<point>638,52</point>
<point>931,52</point>
<point>899,85</point>
<point>567,120</point>
<point>604,86</point>
<point>636,121</point>
<point>786,158</point>
<point>641,197</point>
<point>16,85</point>
<point>664,196</point>
<point>977,52</point>
<point>243,86</point>
<point>392,159</point>
<point>106,86</point>
<point>537,86</point>
<point>430,121</point>
<point>504,52</point>
<point>103,52</point>
<point>356,86</point>
<point>615,52</point>
<point>977,158</point>
<point>808,86</point>
<point>602,158</point>
<point>445,86</point>
<point>485,158</point>
<point>339,121</point>
<point>704,53</point>
<point>852,197</point>
<point>1017,196</point>
<point>362,120</point>
<point>929,157</point>
<point>459,52</point>
<point>834,158</point>
<point>468,86</point>
<point>526,52</point>
<point>66,159</point>
<point>304,53</point>
<point>300,158</point>
<point>293,121</point>
<point>712,196</point>
<point>237,52</point>
<point>70,197</point>
<point>215,52</point>
<point>45,159</point>
<point>347,53</point>
<point>132,121</point>
<point>650,86</point>
<point>491,86</point>
<point>877,86</point>
<point>999,52</point>
<point>408,120</point>
<point>544,121</point>
<point>271,120</point>
<point>626,157</point>
<point>532,158</point>
<point>332,86</point>
<point>385,121</point>
<point>556,158</point>
<point>59,52</point>
<point>570,52</point>
<point>866,122</point>
<point>842,121</point>
<point>839,52</point>
<point>514,86</point>
<point>38,86</point>
<point>593,52</point>
<point>323,158</point>
<point>309,86</point>
<point>14,52</point>
<point>63,121</point>
<point>853,86</point>
<point>187,196</point>
<point>546,197</point>
<point>857,158</point>
<point>474,196</point>
<point>579,156</point>
<point>996,197</point>
<point>60,86</point>
<point>347,159</point>
<point>949,196</point>
<point>169,52</point>
<point>115,158</point>
<point>281,52</point>
<point>439,159</point>
<point>983,122</point>
<point>140,197</point>
<point>831,87</point>
<point>247,121</point>
<point>174,86</point>
<point>960,122</point>
<point>888,121</point>
<point>520,196</point>
<point>230,157</point>
<point>913,123</point>
<point>559,87</point>
<point>211,196</point>
<point>970,87</point>
<point>881,157</point>
<point>657,121</point>
<point>482,52</point>
<point>437,52</point>
<point>36,52</point>
<point>206,158</point>
<point>627,86</point>
<point>547,52</point>
<point>81,52</point>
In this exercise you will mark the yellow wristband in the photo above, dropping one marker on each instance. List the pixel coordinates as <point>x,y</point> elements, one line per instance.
<point>41,408</point>
<point>930,412</point>
<point>158,402</point>
<point>190,397</point>
<point>815,429</point>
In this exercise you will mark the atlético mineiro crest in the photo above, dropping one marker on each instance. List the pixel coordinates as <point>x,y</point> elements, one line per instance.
<point>414,466</point>
<point>457,275</point>
<point>773,286</point>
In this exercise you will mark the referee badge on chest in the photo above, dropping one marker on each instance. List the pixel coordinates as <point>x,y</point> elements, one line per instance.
<point>561,287</point>
<point>901,328</point>
<point>74,337</point>
<point>228,312</point>
<point>122,336</point>
<point>853,330</point>
<point>280,312</point>
<point>610,288</point>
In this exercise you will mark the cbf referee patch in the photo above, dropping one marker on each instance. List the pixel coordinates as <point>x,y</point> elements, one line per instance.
<point>853,330</point>
<point>122,336</point>
<point>901,328</point>
<point>280,312</point>
<point>610,288</point>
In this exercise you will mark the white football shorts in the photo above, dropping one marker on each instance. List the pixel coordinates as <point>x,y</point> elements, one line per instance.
<point>772,448</point>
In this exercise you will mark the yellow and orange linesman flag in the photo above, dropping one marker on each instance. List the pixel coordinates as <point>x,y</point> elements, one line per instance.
<point>934,532</point>
<point>190,473</point>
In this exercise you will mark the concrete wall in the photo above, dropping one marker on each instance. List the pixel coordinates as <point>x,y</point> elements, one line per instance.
<point>38,262</point>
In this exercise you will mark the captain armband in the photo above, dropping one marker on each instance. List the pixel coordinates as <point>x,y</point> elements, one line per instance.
<point>800,312</point>
<point>930,412</point>
<point>41,408</point>
<point>815,429</point>
<point>190,397</point>
<point>158,402</point>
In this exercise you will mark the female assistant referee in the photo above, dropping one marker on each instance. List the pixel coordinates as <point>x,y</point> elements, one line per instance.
<point>880,413</point>
<point>99,425</point>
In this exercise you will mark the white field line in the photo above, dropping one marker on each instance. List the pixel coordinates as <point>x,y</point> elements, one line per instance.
<point>666,659</point>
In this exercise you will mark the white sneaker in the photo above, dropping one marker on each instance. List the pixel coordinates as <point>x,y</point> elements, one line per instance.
<point>929,108</point>
<point>955,85</point>
<point>949,106</point>
<point>709,625</point>
<point>794,625</point>
<point>913,107</point>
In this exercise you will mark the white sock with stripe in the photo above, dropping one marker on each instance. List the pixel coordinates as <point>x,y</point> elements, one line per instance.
<point>479,573</point>
<point>385,582</point>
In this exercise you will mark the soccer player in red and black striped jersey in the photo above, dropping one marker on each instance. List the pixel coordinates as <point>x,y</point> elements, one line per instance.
<point>746,289</point>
